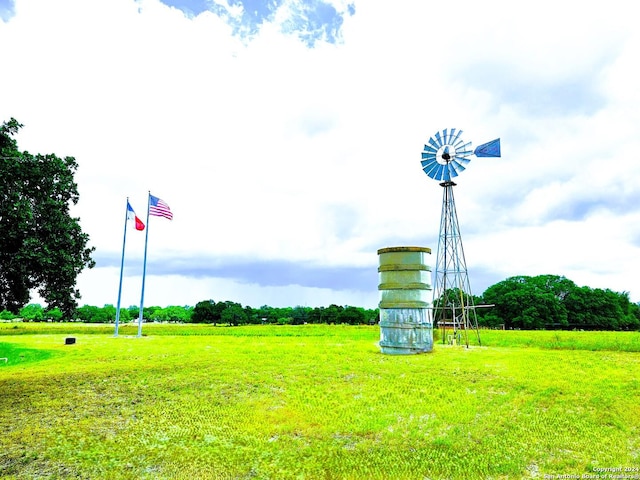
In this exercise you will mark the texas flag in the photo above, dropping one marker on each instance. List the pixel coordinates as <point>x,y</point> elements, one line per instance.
<point>131,215</point>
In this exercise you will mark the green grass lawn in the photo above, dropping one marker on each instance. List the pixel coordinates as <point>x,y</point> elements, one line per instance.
<point>314,401</point>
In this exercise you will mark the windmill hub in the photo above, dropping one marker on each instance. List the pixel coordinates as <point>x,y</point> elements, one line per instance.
<point>446,154</point>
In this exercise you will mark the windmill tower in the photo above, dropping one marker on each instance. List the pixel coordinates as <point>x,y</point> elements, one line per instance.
<point>444,158</point>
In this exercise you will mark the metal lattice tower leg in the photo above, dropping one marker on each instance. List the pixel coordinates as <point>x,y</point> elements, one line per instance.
<point>452,299</point>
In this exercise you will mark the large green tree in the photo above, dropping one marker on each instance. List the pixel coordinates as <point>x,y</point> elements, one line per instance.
<point>205,312</point>
<point>601,309</point>
<point>352,316</point>
<point>42,246</point>
<point>233,313</point>
<point>552,301</point>
<point>530,302</point>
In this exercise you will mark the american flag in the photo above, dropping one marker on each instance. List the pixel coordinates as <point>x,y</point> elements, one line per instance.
<point>159,208</point>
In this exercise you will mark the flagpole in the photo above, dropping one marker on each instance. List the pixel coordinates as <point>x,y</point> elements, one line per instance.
<point>144,269</point>
<point>124,241</point>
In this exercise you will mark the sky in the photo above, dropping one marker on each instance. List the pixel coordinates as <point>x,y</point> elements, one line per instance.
<point>286,137</point>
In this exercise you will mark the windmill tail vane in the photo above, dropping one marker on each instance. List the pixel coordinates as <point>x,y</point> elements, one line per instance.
<point>489,149</point>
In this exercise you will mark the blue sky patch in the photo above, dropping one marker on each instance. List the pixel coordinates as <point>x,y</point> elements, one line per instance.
<point>191,8</point>
<point>311,21</point>
<point>7,10</point>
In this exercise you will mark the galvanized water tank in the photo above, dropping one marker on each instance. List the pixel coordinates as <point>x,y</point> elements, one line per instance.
<point>406,325</point>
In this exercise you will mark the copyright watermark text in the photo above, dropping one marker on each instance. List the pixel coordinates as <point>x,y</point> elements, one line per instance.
<point>599,473</point>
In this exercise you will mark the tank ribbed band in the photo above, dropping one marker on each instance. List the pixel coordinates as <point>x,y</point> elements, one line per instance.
<point>404,249</point>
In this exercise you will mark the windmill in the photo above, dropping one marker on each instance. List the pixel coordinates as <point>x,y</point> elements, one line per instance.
<point>444,158</point>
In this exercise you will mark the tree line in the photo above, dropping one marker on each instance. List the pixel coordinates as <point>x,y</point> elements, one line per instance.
<point>550,302</point>
<point>206,311</point>
<point>521,302</point>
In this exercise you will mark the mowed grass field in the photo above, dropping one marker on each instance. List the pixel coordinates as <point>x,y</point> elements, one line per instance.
<point>313,402</point>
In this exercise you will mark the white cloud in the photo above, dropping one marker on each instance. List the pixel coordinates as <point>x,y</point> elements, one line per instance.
<point>269,149</point>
